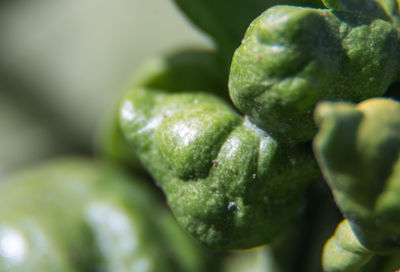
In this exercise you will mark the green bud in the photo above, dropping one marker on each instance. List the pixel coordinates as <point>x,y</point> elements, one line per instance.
<point>358,150</point>
<point>292,57</point>
<point>177,72</point>
<point>228,183</point>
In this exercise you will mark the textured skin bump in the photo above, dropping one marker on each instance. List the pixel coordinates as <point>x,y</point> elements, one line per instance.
<point>292,57</point>
<point>358,150</point>
<point>190,140</point>
<point>175,72</point>
<point>228,183</point>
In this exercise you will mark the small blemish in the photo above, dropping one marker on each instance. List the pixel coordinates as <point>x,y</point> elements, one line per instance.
<point>215,163</point>
<point>243,41</point>
<point>165,116</point>
<point>232,205</point>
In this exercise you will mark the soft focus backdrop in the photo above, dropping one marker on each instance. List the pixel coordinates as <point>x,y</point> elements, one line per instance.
<point>64,63</point>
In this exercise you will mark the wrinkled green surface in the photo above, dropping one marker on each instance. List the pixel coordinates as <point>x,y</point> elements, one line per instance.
<point>82,215</point>
<point>357,149</point>
<point>230,183</point>
<point>226,20</point>
<point>343,252</point>
<point>181,71</point>
<point>292,57</point>
<point>227,182</point>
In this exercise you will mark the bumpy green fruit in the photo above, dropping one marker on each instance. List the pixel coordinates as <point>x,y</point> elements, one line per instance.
<point>186,70</point>
<point>81,215</point>
<point>292,57</point>
<point>228,182</point>
<point>358,150</point>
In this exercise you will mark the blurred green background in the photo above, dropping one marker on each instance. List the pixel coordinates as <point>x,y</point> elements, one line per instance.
<point>64,63</point>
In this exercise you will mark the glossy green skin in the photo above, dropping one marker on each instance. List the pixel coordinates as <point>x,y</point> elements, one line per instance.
<point>228,183</point>
<point>226,20</point>
<point>358,150</point>
<point>292,57</point>
<point>82,215</point>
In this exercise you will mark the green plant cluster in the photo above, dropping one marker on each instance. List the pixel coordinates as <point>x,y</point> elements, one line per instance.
<point>237,139</point>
